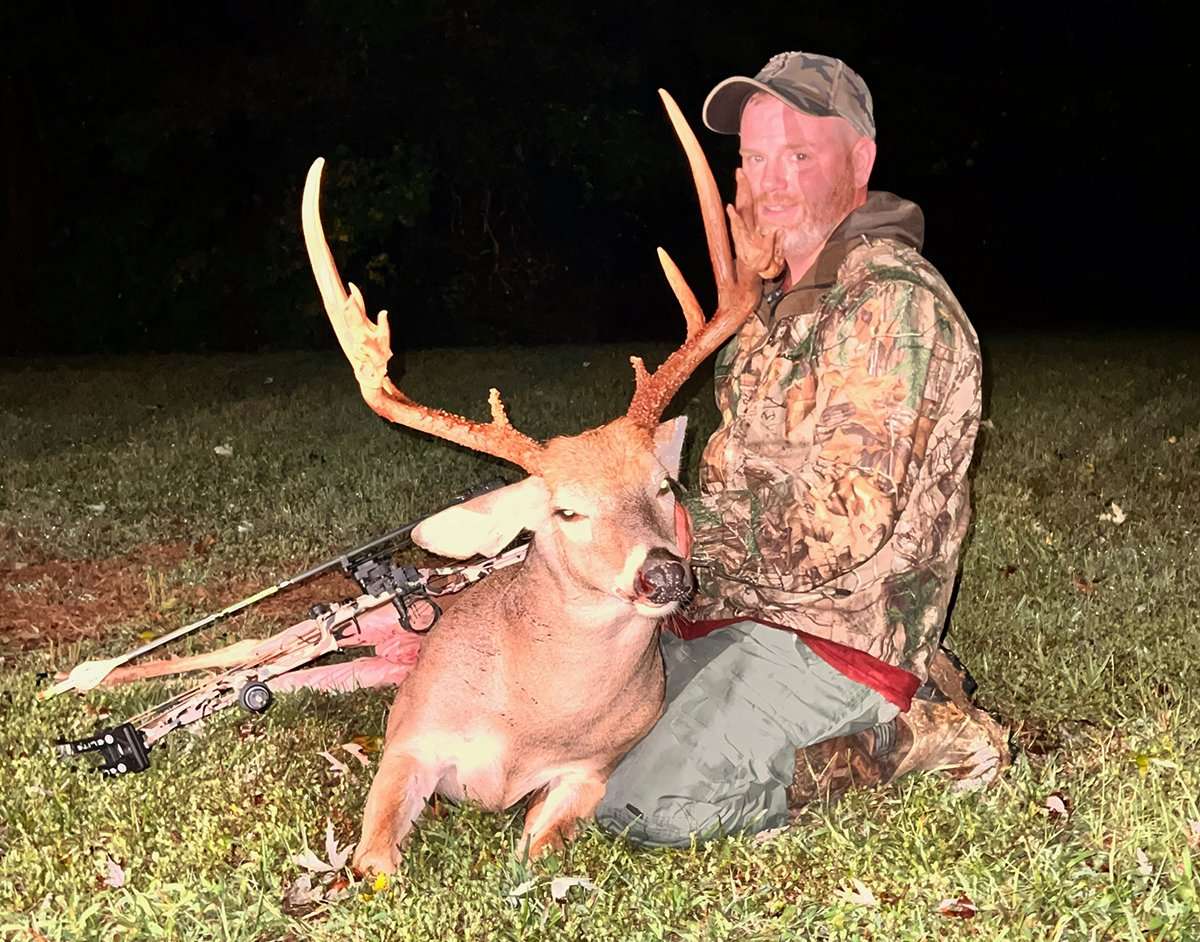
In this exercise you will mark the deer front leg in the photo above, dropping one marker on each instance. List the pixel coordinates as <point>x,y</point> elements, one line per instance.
<point>553,815</point>
<point>397,796</point>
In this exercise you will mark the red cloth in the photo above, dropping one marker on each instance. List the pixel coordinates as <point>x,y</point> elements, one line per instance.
<point>894,684</point>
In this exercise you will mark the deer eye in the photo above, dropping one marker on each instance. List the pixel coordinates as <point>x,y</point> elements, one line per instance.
<point>665,486</point>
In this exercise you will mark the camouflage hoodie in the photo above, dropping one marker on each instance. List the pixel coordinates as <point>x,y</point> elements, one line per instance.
<point>834,494</point>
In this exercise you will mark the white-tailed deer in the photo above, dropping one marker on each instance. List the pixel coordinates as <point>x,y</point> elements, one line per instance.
<point>538,680</point>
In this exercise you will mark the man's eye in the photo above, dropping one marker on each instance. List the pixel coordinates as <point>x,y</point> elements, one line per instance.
<point>798,156</point>
<point>665,486</point>
<point>564,514</point>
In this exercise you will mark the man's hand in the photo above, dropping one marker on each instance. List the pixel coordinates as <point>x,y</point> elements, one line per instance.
<point>756,251</point>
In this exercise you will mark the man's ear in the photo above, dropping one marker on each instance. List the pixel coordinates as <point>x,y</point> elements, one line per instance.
<point>862,158</point>
<point>487,523</point>
<point>668,444</point>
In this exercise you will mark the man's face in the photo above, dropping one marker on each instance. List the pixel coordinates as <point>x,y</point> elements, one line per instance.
<point>806,174</point>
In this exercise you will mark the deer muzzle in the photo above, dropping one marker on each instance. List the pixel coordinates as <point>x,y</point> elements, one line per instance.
<point>663,578</point>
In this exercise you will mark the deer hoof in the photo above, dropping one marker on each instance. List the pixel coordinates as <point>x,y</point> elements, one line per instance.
<point>371,862</point>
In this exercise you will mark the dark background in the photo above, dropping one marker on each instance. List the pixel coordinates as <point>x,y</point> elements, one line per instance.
<point>501,172</point>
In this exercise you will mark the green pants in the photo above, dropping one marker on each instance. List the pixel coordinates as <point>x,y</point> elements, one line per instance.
<point>740,702</point>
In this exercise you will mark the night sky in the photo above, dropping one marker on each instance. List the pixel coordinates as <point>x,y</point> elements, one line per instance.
<point>501,173</point>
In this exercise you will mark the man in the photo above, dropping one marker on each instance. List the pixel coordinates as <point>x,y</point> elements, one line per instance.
<point>834,496</point>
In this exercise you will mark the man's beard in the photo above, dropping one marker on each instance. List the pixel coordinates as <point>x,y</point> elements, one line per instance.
<point>816,222</point>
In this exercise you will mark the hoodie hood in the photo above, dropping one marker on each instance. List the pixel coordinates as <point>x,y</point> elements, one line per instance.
<point>884,216</point>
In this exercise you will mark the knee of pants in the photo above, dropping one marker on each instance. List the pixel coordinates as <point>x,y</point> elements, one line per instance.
<point>667,822</point>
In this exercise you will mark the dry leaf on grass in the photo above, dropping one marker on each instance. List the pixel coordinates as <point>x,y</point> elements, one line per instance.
<point>1114,514</point>
<point>1082,584</point>
<point>331,885</point>
<point>1058,805</point>
<point>225,450</point>
<point>861,895</point>
<point>337,855</point>
<point>114,874</point>
<point>369,744</point>
<point>336,766</point>
<point>357,751</point>
<point>513,897</point>
<point>960,907</point>
<point>1193,835</point>
<point>560,886</point>
<point>1144,867</point>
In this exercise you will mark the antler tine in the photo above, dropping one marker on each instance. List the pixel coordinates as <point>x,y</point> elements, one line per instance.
<point>693,314</point>
<point>737,290</point>
<point>367,346</point>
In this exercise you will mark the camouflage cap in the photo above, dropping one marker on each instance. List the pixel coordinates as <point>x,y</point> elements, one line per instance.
<point>815,84</point>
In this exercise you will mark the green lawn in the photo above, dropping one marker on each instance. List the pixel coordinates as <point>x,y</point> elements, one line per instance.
<point>1076,612</point>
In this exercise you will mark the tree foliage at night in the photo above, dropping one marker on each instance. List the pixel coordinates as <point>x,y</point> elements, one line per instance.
<point>502,168</point>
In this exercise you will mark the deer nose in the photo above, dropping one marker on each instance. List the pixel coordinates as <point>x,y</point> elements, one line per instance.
<point>664,578</point>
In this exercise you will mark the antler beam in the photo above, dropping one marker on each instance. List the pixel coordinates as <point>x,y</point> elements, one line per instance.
<point>367,345</point>
<point>738,290</point>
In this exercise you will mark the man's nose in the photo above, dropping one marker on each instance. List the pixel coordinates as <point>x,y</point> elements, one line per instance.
<point>774,179</point>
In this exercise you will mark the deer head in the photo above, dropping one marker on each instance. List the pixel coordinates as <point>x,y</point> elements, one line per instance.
<point>601,505</point>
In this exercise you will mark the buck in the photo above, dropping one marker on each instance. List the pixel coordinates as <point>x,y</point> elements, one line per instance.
<point>542,676</point>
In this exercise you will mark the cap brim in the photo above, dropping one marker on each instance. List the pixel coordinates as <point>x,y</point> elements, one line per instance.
<point>722,110</point>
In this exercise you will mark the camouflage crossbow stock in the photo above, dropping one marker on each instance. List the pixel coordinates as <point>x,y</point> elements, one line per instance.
<point>125,748</point>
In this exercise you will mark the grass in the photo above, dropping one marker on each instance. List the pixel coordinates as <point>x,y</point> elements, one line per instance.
<point>1082,631</point>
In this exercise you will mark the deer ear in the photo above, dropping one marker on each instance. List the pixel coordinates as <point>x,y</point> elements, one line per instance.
<point>485,524</point>
<point>668,444</point>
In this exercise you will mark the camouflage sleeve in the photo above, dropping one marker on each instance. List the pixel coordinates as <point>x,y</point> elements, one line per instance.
<point>879,376</point>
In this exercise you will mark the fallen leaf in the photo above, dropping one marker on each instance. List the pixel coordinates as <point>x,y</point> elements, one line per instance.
<point>1193,835</point>
<point>301,895</point>
<point>357,751</point>
<point>987,423</point>
<point>337,766</point>
<point>337,856</point>
<point>861,895</point>
<point>560,886</point>
<point>370,744</point>
<point>114,875</point>
<point>1058,805</point>
<point>959,908</point>
<point>98,508</point>
<point>1114,514</point>
<point>225,451</point>
<point>514,895</point>
<point>310,861</point>
<point>1144,867</point>
<point>1083,585</point>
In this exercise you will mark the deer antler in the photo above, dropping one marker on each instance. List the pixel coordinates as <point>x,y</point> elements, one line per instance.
<point>738,288</point>
<point>367,346</point>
